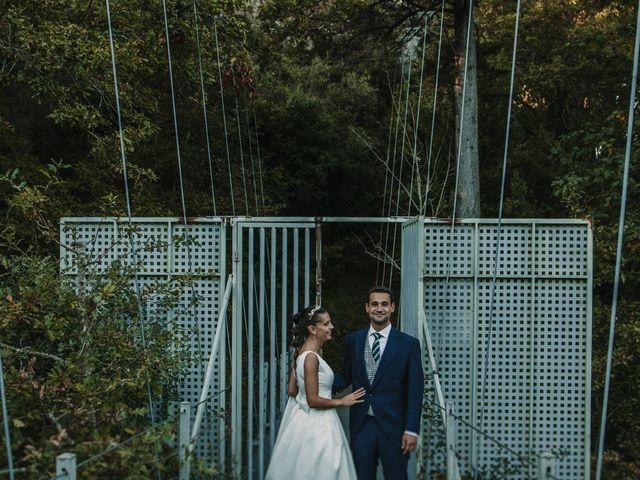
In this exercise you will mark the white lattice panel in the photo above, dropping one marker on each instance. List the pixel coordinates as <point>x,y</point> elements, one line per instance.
<point>152,245</point>
<point>99,239</point>
<point>561,250</point>
<point>507,405</point>
<point>166,252</point>
<point>199,255</point>
<point>411,272</point>
<point>537,392</point>
<point>446,253</point>
<point>560,348</point>
<point>515,250</point>
<point>449,312</point>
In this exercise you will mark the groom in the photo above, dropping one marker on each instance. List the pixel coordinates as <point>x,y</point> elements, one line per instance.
<point>387,363</point>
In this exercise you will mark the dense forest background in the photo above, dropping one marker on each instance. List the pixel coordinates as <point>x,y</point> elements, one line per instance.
<point>313,93</point>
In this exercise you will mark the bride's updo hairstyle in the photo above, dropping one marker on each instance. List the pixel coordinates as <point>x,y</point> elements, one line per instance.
<point>301,323</point>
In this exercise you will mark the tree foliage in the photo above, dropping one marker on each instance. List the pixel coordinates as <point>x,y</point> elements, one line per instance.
<point>80,357</point>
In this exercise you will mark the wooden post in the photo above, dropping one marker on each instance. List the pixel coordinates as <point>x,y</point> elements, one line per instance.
<point>184,437</point>
<point>66,466</point>
<point>466,85</point>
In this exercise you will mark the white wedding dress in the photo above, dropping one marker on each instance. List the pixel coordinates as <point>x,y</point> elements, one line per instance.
<point>311,443</point>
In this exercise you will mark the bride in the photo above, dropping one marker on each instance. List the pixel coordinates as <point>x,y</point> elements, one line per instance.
<point>311,442</point>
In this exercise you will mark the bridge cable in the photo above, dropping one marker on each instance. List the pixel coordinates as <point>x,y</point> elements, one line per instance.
<point>180,175</point>
<point>393,168</point>
<point>253,170</point>
<point>175,115</point>
<point>224,118</point>
<point>422,211</point>
<point>5,421</point>
<point>116,446</point>
<point>187,238</point>
<point>255,128</point>
<point>129,216</point>
<point>433,113</point>
<point>404,137</point>
<point>523,459</point>
<point>455,192</point>
<point>384,195</point>
<point>616,278</point>
<point>382,250</point>
<point>414,165</point>
<point>204,107</point>
<point>499,228</point>
<point>244,177</point>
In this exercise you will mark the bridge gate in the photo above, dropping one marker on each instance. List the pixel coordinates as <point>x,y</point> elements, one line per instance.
<point>272,267</point>
<point>532,328</point>
<point>513,356</point>
<point>164,250</point>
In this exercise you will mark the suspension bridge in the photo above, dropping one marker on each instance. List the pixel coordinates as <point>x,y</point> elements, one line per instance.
<point>502,308</point>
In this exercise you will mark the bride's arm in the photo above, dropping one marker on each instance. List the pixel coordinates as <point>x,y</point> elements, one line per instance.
<point>311,388</point>
<point>292,387</point>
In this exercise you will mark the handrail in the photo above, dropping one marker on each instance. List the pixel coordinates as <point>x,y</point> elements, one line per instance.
<point>212,357</point>
<point>436,381</point>
<point>432,360</point>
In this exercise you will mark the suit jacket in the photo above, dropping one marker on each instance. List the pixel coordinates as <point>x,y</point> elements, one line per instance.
<point>395,394</point>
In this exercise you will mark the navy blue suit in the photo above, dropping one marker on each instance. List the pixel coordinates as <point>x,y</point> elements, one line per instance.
<point>395,397</point>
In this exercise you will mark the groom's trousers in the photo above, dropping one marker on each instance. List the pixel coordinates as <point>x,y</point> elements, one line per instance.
<point>371,444</point>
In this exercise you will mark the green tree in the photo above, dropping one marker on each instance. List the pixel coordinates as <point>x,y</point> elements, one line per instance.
<point>567,147</point>
<point>80,360</point>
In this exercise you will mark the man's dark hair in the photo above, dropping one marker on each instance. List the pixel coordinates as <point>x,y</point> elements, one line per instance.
<point>380,289</point>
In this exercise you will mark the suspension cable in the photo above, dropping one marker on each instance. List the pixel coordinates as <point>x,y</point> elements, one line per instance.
<point>499,229</point>
<point>126,185</point>
<point>253,169</point>
<point>433,114</point>
<point>129,218</point>
<point>204,107</point>
<point>386,183</point>
<point>186,237</point>
<point>255,128</point>
<point>175,115</point>
<point>393,167</point>
<point>117,446</point>
<point>455,192</point>
<point>524,460</point>
<point>224,118</point>
<point>616,278</point>
<point>5,420</point>
<point>244,177</point>
<point>415,133</point>
<point>404,136</point>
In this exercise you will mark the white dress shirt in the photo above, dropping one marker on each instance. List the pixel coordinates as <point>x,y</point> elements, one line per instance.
<point>383,339</point>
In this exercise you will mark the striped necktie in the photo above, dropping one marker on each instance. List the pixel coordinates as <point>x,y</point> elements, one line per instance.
<point>375,349</point>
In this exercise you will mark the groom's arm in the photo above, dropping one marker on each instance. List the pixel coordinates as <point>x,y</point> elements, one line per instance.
<point>342,379</point>
<point>415,389</point>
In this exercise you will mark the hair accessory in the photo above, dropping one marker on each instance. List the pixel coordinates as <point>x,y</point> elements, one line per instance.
<point>313,311</point>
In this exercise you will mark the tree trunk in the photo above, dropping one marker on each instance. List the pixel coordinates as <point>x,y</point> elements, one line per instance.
<point>468,203</point>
